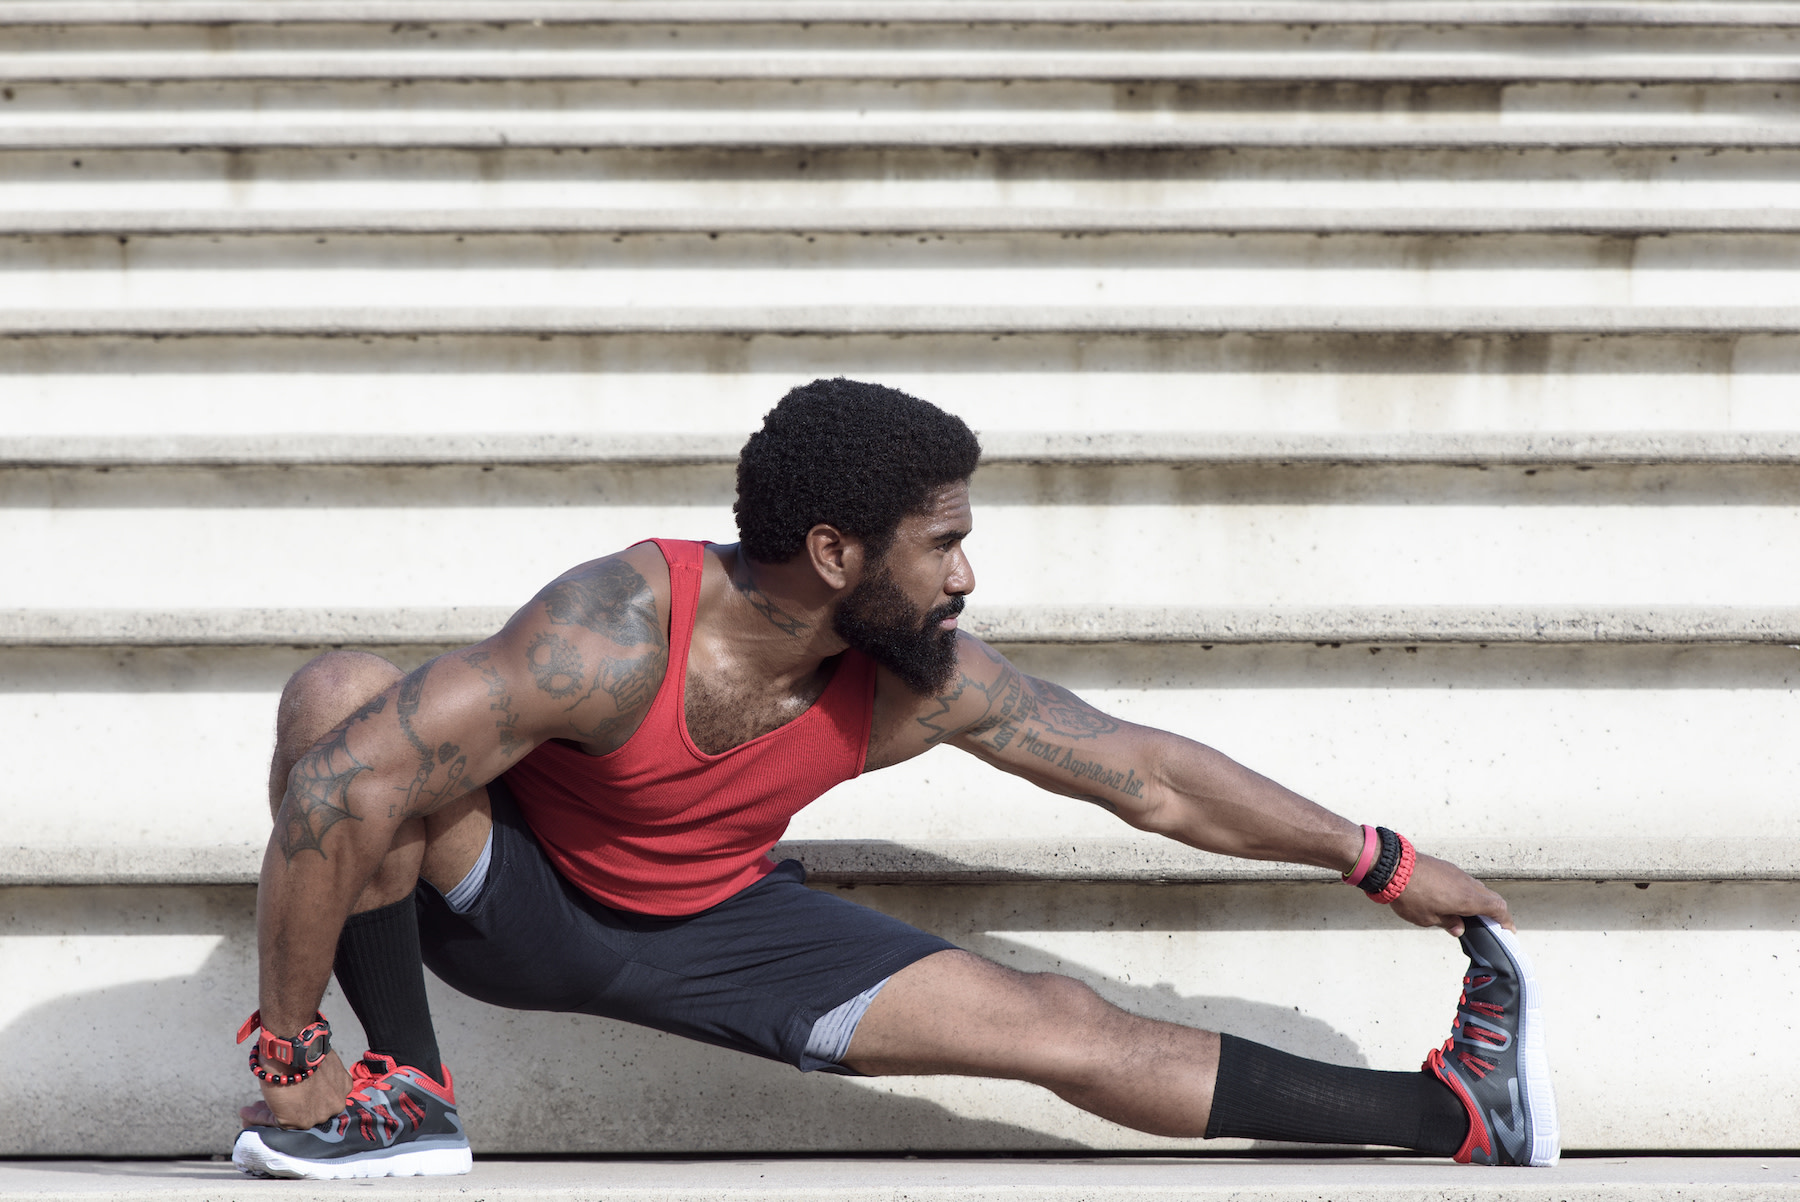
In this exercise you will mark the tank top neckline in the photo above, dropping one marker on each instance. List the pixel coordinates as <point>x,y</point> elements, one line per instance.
<point>688,559</point>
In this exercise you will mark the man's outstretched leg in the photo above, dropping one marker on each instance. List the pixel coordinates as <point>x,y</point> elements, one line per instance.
<point>957,1013</point>
<point>399,1115</point>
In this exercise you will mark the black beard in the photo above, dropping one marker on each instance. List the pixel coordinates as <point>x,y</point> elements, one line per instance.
<point>878,620</point>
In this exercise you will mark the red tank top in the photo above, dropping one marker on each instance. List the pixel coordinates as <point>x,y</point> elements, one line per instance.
<point>659,826</point>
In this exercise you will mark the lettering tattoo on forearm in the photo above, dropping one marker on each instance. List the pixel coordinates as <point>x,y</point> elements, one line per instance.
<point>317,797</point>
<point>426,790</point>
<point>1128,782</point>
<point>614,600</point>
<point>1037,717</point>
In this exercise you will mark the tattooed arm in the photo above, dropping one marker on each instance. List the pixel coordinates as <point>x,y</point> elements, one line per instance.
<point>580,662</point>
<point>1154,780</point>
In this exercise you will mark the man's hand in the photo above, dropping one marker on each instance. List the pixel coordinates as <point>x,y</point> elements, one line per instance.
<point>307,1104</point>
<point>1440,894</point>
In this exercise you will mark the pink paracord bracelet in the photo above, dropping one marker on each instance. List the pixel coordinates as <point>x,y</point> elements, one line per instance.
<point>1371,849</point>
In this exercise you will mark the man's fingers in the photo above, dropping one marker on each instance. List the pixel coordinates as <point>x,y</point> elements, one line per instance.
<point>309,1102</point>
<point>256,1114</point>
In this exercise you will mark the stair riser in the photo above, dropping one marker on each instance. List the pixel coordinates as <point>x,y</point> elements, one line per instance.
<point>1030,383</point>
<point>798,187</point>
<point>195,537</point>
<point>1123,102</point>
<point>1313,969</point>
<point>873,272</point>
<point>894,38</point>
<point>171,746</point>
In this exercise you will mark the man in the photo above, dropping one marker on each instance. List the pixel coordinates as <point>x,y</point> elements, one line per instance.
<point>575,815</point>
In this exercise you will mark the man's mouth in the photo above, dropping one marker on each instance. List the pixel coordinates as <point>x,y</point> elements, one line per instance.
<point>944,616</point>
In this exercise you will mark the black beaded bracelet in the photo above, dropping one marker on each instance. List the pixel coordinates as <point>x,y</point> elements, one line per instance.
<point>1386,864</point>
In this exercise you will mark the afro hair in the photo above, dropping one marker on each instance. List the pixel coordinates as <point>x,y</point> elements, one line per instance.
<point>856,456</point>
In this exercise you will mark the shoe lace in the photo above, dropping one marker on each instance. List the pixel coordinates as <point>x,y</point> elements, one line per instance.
<point>1475,1034</point>
<point>365,1082</point>
<point>369,1081</point>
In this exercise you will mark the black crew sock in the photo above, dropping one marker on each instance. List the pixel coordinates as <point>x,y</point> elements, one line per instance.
<point>379,969</point>
<point>1263,1093</point>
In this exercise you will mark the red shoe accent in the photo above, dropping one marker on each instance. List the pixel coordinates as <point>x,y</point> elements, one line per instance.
<point>1478,1133</point>
<point>366,1078</point>
<point>1476,1064</point>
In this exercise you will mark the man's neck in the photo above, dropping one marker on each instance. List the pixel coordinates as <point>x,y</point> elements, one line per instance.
<point>777,616</point>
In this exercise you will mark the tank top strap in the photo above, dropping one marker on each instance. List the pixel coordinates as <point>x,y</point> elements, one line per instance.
<point>686,560</point>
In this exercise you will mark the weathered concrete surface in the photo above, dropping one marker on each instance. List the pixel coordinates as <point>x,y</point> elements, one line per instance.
<point>1140,860</point>
<point>1683,971</point>
<point>1080,537</point>
<point>1000,282</point>
<point>886,220</point>
<point>1021,384</point>
<point>1011,1179</point>
<point>169,746</point>
<point>1105,448</point>
<point>1632,14</point>
<point>409,320</point>
<point>1673,625</point>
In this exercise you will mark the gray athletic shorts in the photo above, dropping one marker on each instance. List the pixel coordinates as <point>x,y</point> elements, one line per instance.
<point>758,972</point>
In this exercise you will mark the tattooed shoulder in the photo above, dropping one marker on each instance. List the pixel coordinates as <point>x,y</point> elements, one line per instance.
<point>608,597</point>
<point>625,665</point>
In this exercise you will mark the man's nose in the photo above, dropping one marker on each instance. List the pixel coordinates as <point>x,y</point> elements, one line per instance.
<point>962,577</point>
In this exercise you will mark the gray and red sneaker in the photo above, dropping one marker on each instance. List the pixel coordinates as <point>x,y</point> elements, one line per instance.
<point>396,1122</point>
<point>1494,1059</point>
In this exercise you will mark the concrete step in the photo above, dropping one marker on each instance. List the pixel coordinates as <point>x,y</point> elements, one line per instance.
<point>1235,537</point>
<point>525,190</point>
<point>434,626</point>
<point>1189,448</point>
<point>250,122</point>
<point>993,320</point>
<point>850,283</point>
<point>597,386</point>
<point>1602,14</point>
<point>1764,57</point>
<point>1310,967</point>
<point>1138,859</point>
<point>992,219</point>
<point>1537,740</point>
<point>1636,43</point>
<point>965,1179</point>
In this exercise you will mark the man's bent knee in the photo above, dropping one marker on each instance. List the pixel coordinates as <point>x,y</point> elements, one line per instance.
<point>325,691</point>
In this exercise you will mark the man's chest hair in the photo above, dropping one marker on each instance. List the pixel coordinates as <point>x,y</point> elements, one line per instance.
<point>723,713</point>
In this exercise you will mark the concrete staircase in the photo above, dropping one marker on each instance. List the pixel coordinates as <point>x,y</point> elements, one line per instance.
<point>1403,397</point>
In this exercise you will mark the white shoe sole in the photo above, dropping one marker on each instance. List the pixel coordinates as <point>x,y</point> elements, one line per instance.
<point>251,1155</point>
<point>1534,1064</point>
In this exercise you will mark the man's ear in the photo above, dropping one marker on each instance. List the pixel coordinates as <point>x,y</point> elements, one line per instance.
<point>836,557</point>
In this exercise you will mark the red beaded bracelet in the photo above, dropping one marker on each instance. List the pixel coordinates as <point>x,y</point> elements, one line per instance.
<point>307,1049</point>
<point>1402,874</point>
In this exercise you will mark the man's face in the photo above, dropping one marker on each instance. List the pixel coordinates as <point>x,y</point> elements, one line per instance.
<point>902,614</point>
